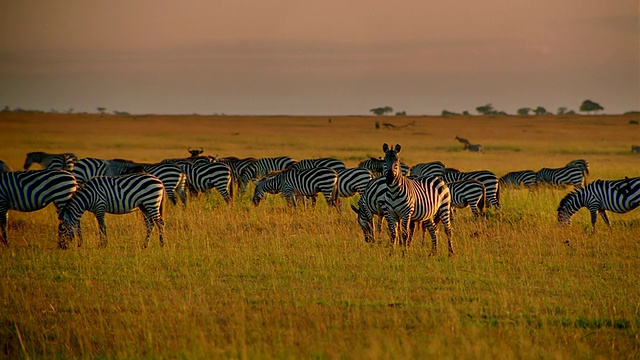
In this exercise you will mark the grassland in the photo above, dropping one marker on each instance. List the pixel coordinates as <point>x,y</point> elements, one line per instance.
<point>236,281</point>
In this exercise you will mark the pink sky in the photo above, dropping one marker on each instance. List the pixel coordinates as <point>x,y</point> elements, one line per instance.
<point>322,57</point>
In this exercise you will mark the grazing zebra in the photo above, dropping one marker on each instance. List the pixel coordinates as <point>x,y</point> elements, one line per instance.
<point>635,149</point>
<point>474,147</point>
<point>369,205</point>
<point>487,178</point>
<point>4,167</point>
<point>471,193</point>
<point>568,175</point>
<point>263,167</point>
<point>237,166</point>
<point>407,201</point>
<point>61,162</point>
<point>305,182</point>
<point>331,163</point>
<point>619,196</point>
<point>376,166</point>
<point>204,177</point>
<point>172,176</point>
<point>114,195</point>
<point>352,181</point>
<point>519,178</point>
<point>434,168</point>
<point>43,158</point>
<point>33,190</point>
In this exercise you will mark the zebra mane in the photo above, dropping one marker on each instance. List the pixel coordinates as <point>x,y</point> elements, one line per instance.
<point>564,203</point>
<point>451,170</point>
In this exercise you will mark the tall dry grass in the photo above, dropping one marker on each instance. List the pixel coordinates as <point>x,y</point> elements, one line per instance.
<point>238,281</point>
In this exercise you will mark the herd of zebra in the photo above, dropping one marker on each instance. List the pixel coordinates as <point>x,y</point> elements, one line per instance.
<point>405,197</point>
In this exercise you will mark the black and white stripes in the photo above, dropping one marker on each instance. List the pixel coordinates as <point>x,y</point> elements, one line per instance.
<point>33,190</point>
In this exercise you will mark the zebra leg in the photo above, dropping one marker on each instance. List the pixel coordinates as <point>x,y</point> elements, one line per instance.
<point>393,230</point>
<point>406,224</point>
<point>160,225</point>
<point>432,231</point>
<point>3,224</point>
<point>148,221</point>
<point>103,230</point>
<point>605,217</point>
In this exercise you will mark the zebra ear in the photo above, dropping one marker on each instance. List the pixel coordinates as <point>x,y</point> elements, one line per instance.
<point>397,148</point>
<point>385,147</point>
<point>355,209</point>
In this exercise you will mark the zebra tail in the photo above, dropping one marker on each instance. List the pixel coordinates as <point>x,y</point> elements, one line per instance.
<point>231,185</point>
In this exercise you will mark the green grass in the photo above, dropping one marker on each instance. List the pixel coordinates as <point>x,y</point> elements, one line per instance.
<point>239,281</point>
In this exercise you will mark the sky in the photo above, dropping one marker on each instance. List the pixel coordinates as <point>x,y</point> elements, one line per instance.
<point>330,57</point>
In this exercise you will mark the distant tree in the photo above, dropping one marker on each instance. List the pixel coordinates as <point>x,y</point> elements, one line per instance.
<point>466,113</point>
<point>448,113</point>
<point>486,110</point>
<point>401,113</point>
<point>561,110</point>
<point>101,109</point>
<point>524,111</point>
<point>382,110</point>
<point>540,111</point>
<point>588,106</point>
<point>6,109</point>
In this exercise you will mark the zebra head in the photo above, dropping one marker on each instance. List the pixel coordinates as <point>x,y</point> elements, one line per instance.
<point>259,192</point>
<point>569,205</point>
<point>365,220</point>
<point>392,169</point>
<point>69,217</point>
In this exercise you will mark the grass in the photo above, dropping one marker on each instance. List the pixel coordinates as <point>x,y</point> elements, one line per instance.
<point>238,281</point>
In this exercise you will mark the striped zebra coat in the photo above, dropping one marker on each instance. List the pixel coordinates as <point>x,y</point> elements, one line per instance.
<point>619,196</point>
<point>263,167</point>
<point>519,178</point>
<point>376,166</point>
<point>33,190</point>
<point>487,178</point>
<point>237,166</point>
<point>568,175</point>
<point>434,168</point>
<point>468,193</point>
<point>208,176</point>
<point>114,195</point>
<point>61,162</point>
<point>370,205</point>
<point>306,164</point>
<point>307,183</point>
<point>407,202</point>
<point>352,181</point>
<point>44,159</point>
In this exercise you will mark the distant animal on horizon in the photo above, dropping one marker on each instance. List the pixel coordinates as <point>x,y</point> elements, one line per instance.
<point>635,149</point>
<point>195,152</point>
<point>474,147</point>
<point>462,140</point>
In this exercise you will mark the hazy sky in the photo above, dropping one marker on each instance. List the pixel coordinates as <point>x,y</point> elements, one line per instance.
<point>326,57</point>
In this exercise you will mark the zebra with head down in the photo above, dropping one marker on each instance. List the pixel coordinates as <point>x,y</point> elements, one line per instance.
<point>45,159</point>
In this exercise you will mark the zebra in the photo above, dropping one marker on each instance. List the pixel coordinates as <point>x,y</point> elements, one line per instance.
<point>369,205</point>
<point>33,190</point>
<point>305,182</point>
<point>619,196</point>
<point>172,176</point>
<point>424,200</point>
<point>474,147</point>
<point>376,166</point>
<point>352,181</point>
<point>86,168</point>
<point>487,178</point>
<point>4,167</point>
<point>568,175</point>
<point>208,176</point>
<point>237,165</point>
<point>61,162</point>
<point>114,195</point>
<point>434,168</point>
<point>471,193</point>
<point>43,158</point>
<point>263,167</point>
<point>519,178</point>
<point>330,163</point>
<point>582,164</point>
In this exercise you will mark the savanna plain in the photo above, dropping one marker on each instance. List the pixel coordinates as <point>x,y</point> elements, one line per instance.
<point>239,281</point>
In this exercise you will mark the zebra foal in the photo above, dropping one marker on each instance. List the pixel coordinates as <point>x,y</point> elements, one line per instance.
<point>114,195</point>
<point>33,190</point>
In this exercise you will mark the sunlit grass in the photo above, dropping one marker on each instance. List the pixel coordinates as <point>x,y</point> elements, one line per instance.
<point>239,281</point>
